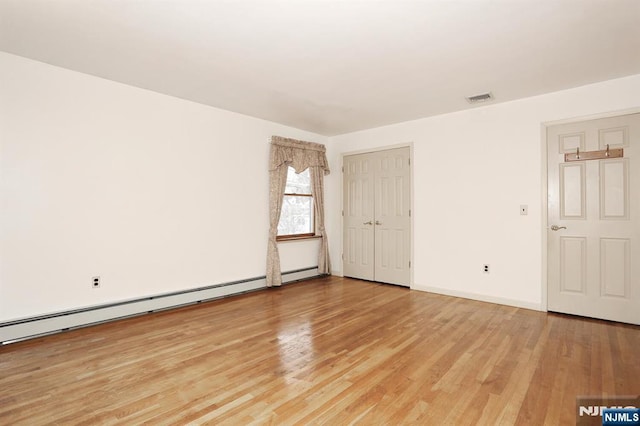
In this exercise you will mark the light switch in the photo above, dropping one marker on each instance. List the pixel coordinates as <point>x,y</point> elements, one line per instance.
<point>524,209</point>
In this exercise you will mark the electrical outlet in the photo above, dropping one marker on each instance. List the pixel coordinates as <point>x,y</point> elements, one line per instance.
<point>485,268</point>
<point>95,283</point>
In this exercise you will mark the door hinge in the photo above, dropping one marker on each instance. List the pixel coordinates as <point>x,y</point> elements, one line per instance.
<point>343,213</point>
<point>342,256</point>
<point>409,161</point>
<point>342,169</point>
<point>409,212</point>
<point>409,264</point>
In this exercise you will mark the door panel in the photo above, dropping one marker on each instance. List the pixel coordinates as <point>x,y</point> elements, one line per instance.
<point>615,267</point>
<point>573,265</point>
<point>594,258</point>
<point>572,188</point>
<point>377,235</point>
<point>614,189</point>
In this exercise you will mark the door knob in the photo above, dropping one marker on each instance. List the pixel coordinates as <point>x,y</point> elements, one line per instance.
<point>556,227</point>
<point>378,222</point>
<point>367,223</point>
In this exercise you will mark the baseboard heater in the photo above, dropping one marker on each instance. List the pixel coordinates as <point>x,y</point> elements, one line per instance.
<point>31,327</point>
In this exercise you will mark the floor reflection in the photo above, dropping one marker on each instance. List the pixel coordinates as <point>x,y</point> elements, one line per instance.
<point>296,348</point>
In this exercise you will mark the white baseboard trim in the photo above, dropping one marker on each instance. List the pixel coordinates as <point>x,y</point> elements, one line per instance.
<point>481,297</point>
<point>25,328</point>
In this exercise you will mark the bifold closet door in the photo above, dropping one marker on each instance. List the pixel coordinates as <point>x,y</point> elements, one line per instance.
<point>377,224</point>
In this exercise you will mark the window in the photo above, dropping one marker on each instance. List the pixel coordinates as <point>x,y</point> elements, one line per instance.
<point>296,218</point>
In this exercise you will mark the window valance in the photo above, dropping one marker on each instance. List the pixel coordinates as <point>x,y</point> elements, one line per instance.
<point>298,154</point>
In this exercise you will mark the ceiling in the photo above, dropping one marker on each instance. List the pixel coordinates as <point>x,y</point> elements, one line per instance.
<point>330,66</point>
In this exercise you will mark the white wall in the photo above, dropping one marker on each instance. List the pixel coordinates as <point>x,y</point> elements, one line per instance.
<point>472,171</point>
<point>152,193</point>
<point>99,178</point>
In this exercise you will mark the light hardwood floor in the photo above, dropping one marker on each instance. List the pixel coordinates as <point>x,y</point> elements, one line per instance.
<point>326,351</point>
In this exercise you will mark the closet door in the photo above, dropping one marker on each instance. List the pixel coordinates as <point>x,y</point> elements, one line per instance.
<point>358,216</point>
<point>392,221</point>
<point>377,224</point>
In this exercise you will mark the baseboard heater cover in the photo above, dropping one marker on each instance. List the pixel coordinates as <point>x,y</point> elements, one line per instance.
<point>31,327</point>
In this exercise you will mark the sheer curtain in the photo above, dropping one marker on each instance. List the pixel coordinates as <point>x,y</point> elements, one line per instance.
<point>301,156</point>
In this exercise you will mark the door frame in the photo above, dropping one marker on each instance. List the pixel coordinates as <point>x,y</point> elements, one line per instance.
<point>544,304</point>
<point>411,191</point>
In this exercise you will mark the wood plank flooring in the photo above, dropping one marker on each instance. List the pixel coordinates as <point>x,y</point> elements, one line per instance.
<point>327,351</point>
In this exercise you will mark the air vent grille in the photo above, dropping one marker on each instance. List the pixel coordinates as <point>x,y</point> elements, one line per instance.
<point>482,97</point>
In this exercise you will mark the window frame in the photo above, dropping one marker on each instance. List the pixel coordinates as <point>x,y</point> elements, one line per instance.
<point>306,235</point>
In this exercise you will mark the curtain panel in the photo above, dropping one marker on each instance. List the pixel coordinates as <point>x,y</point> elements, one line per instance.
<point>300,155</point>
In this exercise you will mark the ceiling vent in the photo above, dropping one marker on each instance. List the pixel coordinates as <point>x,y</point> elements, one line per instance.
<point>483,97</point>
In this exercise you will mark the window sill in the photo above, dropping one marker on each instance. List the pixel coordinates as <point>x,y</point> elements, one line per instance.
<point>305,237</point>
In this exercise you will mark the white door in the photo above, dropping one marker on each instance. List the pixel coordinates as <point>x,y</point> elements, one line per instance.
<point>358,240</point>
<point>594,220</point>
<point>377,223</point>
